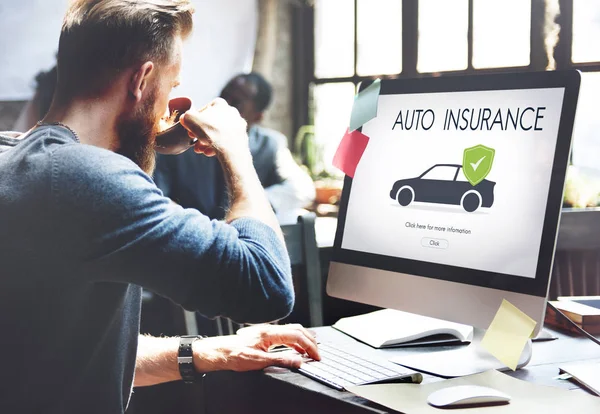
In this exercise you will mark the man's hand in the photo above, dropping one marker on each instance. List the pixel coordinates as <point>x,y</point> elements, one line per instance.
<point>249,349</point>
<point>219,128</point>
<point>221,131</point>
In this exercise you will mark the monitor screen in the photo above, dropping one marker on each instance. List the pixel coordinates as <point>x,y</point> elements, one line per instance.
<point>461,180</point>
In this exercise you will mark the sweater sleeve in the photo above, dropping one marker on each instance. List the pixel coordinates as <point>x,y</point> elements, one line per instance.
<point>120,228</point>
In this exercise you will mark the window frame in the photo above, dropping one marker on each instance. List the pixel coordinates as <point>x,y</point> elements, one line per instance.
<point>304,62</point>
<point>410,38</point>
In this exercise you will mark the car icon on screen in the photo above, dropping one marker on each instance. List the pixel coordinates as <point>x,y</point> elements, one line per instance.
<point>444,184</point>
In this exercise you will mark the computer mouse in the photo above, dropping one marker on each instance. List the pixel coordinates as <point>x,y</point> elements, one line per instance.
<point>465,395</point>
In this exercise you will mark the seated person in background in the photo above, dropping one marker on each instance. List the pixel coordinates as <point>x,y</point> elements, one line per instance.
<point>199,182</point>
<point>84,228</point>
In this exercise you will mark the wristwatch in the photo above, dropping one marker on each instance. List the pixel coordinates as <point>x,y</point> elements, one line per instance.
<point>185,358</point>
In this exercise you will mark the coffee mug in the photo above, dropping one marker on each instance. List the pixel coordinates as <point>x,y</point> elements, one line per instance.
<point>175,139</point>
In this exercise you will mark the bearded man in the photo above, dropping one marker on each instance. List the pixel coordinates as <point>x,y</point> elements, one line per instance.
<point>84,228</point>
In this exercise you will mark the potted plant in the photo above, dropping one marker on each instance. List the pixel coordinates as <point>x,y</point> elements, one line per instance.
<point>328,182</point>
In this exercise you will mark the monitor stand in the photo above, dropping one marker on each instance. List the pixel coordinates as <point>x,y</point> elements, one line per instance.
<point>466,360</point>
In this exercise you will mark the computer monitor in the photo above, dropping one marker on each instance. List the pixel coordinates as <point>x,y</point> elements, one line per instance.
<point>456,201</point>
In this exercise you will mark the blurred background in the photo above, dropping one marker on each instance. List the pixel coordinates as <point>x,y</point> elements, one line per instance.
<point>316,52</point>
<point>223,44</point>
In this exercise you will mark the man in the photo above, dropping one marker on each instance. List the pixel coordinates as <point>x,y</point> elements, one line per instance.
<point>84,227</point>
<point>198,182</point>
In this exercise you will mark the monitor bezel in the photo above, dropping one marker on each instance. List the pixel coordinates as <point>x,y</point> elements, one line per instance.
<point>538,286</point>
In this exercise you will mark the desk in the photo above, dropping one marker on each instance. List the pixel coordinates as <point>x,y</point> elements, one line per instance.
<point>280,390</point>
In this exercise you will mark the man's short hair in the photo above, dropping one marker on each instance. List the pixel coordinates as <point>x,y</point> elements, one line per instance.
<point>101,38</point>
<point>264,90</point>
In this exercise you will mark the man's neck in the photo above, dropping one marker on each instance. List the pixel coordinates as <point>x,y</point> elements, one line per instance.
<point>94,121</point>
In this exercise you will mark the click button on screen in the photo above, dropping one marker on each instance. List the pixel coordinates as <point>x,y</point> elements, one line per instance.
<point>434,243</point>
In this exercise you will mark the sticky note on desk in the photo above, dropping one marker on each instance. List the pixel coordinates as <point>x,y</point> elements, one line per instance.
<point>365,105</point>
<point>508,333</point>
<point>350,151</point>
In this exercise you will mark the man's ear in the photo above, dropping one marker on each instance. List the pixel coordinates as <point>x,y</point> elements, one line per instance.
<point>259,117</point>
<point>139,80</point>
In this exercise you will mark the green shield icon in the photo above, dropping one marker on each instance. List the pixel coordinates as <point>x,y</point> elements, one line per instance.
<point>477,163</point>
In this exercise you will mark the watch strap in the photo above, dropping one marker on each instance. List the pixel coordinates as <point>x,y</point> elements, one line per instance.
<point>185,358</point>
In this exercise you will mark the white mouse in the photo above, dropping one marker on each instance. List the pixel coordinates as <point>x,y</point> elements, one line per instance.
<point>466,395</point>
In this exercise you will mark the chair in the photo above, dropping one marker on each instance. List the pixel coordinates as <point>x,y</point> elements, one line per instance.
<point>302,248</point>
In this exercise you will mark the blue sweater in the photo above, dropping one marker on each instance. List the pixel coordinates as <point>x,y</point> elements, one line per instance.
<point>82,229</point>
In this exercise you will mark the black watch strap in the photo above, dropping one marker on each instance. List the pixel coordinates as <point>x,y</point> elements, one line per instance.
<point>185,358</point>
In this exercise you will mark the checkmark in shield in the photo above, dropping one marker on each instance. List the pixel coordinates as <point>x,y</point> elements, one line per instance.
<point>477,163</point>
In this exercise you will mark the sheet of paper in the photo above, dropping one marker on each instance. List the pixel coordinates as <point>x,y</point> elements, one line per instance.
<point>351,148</point>
<point>508,333</point>
<point>365,105</point>
<point>525,396</point>
<point>586,373</point>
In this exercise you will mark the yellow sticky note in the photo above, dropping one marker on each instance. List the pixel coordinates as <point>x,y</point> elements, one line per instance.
<point>508,333</point>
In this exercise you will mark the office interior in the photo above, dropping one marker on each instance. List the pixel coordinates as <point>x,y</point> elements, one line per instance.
<point>316,54</point>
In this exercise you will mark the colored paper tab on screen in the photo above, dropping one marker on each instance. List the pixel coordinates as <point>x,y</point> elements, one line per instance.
<point>508,333</point>
<point>365,105</point>
<point>349,152</point>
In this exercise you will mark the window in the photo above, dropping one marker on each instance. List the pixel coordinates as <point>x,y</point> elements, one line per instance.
<point>333,104</point>
<point>501,31</point>
<point>334,38</point>
<point>379,37</point>
<point>585,56</point>
<point>586,148</point>
<point>441,172</point>
<point>443,41</point>
<point>586,31</point>
<point>356,40</point>
<point>461,175</point>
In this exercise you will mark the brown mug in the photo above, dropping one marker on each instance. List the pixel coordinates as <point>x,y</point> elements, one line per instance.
<point>175,139</point>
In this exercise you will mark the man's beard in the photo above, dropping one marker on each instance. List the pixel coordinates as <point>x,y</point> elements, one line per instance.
<point>137,135</point>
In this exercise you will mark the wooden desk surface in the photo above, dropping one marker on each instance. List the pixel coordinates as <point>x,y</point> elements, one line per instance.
<point>279,390</point>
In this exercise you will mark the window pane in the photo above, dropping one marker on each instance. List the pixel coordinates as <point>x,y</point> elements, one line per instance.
<point>332,108</point>
<point>441,173</point>
<point>586,31</point>
<point>334,38</point>
<point>379,37</point>
<point>461,175</point>
<point>501,32</point>
<point>586,141</point>
<point>443,28</point>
